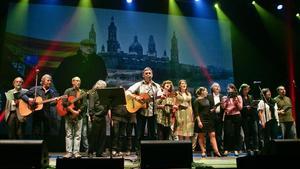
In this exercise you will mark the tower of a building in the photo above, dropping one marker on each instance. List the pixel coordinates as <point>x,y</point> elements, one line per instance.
<point>174,49</point>
<point>112,43</point>
<point>92,36</point>
<point>151,47</point>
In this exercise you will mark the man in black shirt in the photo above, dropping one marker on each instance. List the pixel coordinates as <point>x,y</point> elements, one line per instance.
<point>85,64</point>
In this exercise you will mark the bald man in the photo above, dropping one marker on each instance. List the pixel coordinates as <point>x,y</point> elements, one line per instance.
<point>15,122</point>
<point>73,119</point>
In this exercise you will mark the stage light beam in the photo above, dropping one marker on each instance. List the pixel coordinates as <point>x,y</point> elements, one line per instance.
<point>129,1</point>
<point>253,2</point>
<point>85,3</point>
<point>298,15</point>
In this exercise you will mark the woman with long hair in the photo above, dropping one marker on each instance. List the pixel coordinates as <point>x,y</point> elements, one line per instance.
<point>184,115</point>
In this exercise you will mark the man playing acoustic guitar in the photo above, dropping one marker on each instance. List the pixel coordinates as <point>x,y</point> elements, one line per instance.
<point>73,119</point>
<point>146,114</point>
<point>41,116</point>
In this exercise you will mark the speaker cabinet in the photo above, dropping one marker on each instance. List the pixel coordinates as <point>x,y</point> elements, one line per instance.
<point>282,147</point>
<point>166,154</point>
<point>23,154</point>
<point>90,163</point>
<point>278,153</point>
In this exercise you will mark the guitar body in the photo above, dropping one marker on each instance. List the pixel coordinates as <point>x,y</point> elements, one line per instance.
<point>133,105</point>
<point>25,109</point>
<point>61,110</point>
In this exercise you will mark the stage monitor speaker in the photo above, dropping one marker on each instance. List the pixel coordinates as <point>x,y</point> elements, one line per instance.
<point>282,147</point>
<point>267,161</point>
<point>23,154</point>
<point>278,153</point>
<point>90,163</point>
<point>166,154</point>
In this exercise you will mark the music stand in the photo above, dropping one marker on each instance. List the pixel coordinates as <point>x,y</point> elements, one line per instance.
<point>111,96</point>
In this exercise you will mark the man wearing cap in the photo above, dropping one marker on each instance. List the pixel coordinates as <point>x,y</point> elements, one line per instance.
<point>85,64</point>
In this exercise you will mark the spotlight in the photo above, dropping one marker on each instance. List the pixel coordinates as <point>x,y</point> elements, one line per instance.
<point>196,0</point>
<point>279,7</point>
<point>298,15</point>
<point>253,2</point>
<point>129,1</point>
<point>216,5</point>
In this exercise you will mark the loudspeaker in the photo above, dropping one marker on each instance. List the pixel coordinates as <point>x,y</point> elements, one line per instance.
<point>166,154</point>
<point>23,154</point>
<point>282,147</point>
<point>90,163</point>
<point>267,161</point>
<point>278,153</point>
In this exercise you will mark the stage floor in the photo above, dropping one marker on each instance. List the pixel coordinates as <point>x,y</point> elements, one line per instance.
<point>131,161</point>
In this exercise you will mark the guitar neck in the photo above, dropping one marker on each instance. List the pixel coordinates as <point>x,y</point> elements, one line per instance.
<point>83,95</point>
<point>49,100</point>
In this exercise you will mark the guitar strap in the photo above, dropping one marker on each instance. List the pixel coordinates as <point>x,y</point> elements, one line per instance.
<point>78,95</point>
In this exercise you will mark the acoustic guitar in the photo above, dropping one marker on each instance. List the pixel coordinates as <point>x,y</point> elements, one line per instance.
<point>62,110</point>
<point>133,105</point>
<point>26,109</point>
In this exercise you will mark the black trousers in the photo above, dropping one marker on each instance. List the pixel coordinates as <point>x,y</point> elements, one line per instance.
<point>270,131</point>
<point>97,136</point>
<point>141,124</point>
<point>163,132</point>
<point>250,129</point>
<point>16,128</point>
<point>219,130</point>
<point>232,132</point>
<point>118,137</point>
<point>131,139</point>
<point>40,125</point>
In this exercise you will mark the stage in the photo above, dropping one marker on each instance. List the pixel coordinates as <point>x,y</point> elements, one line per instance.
<point>132,162</point>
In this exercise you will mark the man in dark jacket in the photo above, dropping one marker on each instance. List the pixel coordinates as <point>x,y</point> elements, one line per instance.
<point>85,64</point>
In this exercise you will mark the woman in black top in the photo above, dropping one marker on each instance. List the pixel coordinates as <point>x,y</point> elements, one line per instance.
<point>204,121</point>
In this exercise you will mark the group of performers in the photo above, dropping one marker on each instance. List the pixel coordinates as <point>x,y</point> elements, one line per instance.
<point>169,114</point>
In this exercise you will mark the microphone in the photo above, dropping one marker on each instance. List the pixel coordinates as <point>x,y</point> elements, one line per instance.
<point>256,82</point>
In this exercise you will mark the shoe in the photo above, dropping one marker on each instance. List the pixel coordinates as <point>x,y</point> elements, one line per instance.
<point>128,153</point>
<point>77,155</point>
<point>90,154</point>
<point>236,153</point>
<point>120,154</point>
<point>217,154</point>
<point>203,154</point>
<point>114,153</point>
<point>68,155</point>
<point>225,153</point>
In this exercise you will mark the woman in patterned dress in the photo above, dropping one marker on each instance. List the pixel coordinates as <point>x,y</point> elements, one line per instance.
<point>164,111</point>
<point>184,122</point>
